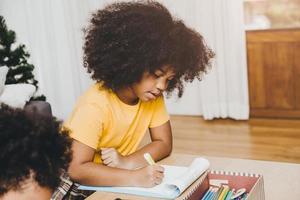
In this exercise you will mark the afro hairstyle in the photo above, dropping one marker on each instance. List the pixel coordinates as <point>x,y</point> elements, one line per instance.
<point>31,146</point>
<point>126,39</point>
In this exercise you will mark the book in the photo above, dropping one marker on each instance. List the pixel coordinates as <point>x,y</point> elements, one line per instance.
<point>176,180</point>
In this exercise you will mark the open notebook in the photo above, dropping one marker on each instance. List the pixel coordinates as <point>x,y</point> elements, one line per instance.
<point>177,179</point>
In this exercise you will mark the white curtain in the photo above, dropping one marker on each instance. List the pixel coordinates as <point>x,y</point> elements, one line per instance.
<point>223,92</point>
<point>52,33</point>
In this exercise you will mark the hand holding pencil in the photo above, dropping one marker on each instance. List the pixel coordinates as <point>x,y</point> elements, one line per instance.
<point>149,176</point>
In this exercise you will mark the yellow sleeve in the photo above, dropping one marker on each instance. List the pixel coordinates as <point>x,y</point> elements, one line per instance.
<point>160,114</point>
<point>86,124</point>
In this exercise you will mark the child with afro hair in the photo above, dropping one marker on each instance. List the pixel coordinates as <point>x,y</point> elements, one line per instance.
<point>33,154</point>
<point>134,51</point>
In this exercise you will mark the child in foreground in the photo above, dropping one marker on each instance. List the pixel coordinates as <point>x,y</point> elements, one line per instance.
<point>33,154</point>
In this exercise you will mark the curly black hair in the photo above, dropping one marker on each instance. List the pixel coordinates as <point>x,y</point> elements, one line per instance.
<point>31,146</point>
<point>126,39</point>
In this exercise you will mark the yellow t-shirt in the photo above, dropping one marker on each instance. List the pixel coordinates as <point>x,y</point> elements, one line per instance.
<point>101,119</point>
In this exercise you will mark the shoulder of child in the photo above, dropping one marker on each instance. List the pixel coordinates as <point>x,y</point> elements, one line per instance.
<point>95,95</point>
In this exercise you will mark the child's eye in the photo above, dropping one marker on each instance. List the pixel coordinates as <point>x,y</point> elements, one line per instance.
<point>157,75</point>
<point>170,79</point>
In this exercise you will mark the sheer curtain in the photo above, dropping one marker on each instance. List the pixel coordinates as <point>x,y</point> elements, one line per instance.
<point>223,92</point>
<point>52,33</point>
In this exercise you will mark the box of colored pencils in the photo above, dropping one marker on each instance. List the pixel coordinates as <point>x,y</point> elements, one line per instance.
<point>232,185</point>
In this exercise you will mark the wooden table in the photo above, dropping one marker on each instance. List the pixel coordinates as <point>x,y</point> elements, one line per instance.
<point>281,180</point>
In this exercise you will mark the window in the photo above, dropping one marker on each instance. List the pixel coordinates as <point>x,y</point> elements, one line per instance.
<point>272,14</point>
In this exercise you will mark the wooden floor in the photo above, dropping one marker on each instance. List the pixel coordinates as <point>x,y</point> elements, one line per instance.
<point>259,139</point>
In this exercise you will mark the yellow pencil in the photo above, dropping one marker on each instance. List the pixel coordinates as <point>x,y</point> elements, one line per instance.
<point>149,159</point>
<point>224,193</point>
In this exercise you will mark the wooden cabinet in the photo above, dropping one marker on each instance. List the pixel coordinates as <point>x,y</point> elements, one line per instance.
<point>273,58</point>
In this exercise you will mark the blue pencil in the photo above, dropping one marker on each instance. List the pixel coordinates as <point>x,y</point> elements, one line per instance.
<point>216,193</point>
<point>228,197</point>
<point>211,195</point>
<point>206,194</point>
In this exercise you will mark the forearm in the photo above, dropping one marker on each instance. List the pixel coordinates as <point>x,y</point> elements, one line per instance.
<point>93,174</point>
<point>158,150</point>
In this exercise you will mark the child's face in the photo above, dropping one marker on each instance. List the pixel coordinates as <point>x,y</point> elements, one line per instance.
<point>151,85</point>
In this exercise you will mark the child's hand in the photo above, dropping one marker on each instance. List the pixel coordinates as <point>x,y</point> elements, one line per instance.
<point>112,158</point>
<point>148,176</point>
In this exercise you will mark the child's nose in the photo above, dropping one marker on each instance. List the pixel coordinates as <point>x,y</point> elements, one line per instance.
<point>161,85</point>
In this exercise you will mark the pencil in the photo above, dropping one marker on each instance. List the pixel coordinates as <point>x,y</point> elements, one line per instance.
<point>149,159</point>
